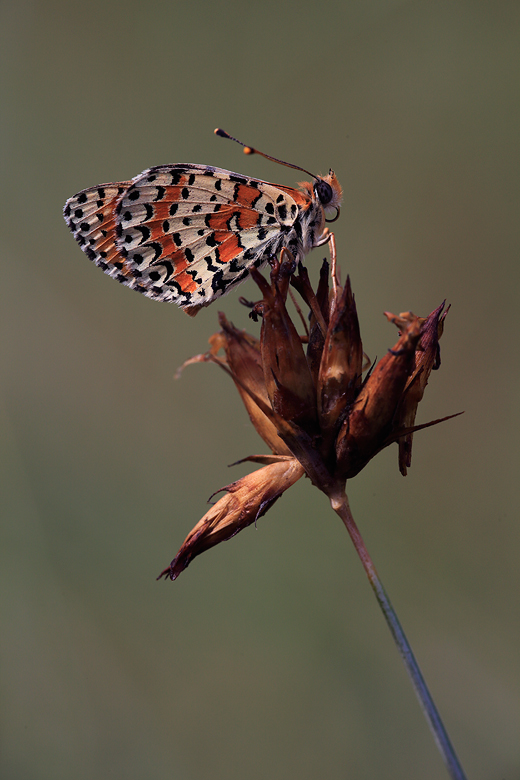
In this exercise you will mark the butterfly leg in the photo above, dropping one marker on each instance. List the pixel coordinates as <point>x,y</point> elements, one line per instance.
<point>327,237</point>
<point>334,265</point>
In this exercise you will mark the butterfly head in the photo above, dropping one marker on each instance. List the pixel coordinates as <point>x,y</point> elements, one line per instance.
<point>327,190</point>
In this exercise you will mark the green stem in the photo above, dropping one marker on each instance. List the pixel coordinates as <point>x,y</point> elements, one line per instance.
<point>341,506</point>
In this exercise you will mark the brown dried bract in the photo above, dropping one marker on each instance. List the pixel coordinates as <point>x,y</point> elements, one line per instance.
<point>308,400</point>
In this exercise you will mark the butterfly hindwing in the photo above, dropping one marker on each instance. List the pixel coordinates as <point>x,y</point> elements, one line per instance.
<point>191,231</point>
<point>91,216</point>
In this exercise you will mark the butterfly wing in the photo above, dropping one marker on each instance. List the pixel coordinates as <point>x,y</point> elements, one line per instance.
<point>191,232</point>
<point>183,233</point>
<point>91,216</point>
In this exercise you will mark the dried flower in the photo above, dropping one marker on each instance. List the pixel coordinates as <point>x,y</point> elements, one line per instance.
<point>307,397</point>
<point>320,417</point>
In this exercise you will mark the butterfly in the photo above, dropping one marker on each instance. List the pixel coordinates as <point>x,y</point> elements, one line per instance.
<point>188,233</point>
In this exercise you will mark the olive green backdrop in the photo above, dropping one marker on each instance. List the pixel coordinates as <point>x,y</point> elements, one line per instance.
<point>268,657</point>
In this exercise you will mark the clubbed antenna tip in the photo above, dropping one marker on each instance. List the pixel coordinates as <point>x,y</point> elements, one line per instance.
<point>251,150</point>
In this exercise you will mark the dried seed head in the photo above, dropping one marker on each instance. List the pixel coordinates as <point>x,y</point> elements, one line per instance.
<point>313,409</point>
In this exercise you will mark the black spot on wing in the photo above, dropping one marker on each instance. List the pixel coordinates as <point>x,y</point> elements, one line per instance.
<point>217,281</point>
<point>157,248</point>
<point>168,267</point>
<point>208,260</point>
<point>177,175</point>
<point>145,231</point>
<point>194,275</point>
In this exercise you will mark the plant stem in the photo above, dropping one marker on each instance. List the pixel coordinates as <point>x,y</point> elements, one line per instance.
<point>341,506</point>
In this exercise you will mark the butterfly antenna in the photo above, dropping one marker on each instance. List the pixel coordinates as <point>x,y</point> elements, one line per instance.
<point>251,150</point>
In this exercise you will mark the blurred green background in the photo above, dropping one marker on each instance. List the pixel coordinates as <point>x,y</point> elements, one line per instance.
<point>268,657</point>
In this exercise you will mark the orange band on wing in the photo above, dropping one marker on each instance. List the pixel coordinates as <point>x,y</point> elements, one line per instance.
<point>229,248</point>
<point>246,196</point>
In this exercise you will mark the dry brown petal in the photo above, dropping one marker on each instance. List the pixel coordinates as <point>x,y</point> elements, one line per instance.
<point>246,500</point>
<point>216,342</point>
<point>286,372</point>
<point>244,360</point>
<point>341,364</point>
<point>368,427</point>
<point>317,330</point>
<point>426,359</point>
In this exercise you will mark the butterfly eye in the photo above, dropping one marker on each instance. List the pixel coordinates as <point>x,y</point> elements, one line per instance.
<point>323,192</point>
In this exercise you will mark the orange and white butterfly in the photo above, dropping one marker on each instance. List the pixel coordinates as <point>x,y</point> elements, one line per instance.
<point>188,233</point>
